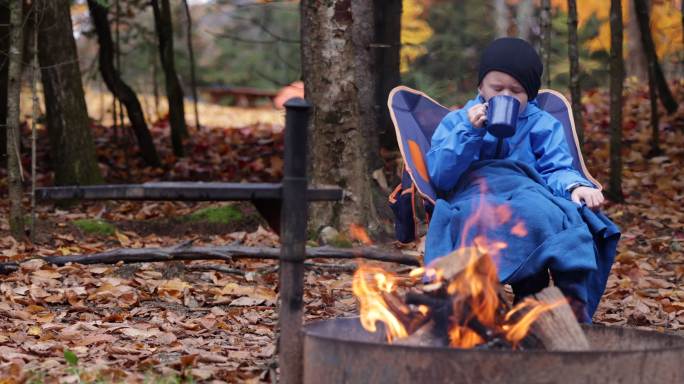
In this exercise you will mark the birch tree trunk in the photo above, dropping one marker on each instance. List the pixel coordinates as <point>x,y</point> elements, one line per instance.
<point>15,53</point>
<point>546,41</point>
<point>575,71</point>
<point>524,19</point>
<point>337,70</point>
<point>616,83</point>
<point>641,12</point>
<point>71,142</point>
<point>387,48</point>
<point>501,18</point>
<point>174,92</point>
<point>191,53</point>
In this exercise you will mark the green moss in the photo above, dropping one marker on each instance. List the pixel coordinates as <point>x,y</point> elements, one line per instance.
<point>217,215</point>
<point>341,241</point>
<point>95,227</point>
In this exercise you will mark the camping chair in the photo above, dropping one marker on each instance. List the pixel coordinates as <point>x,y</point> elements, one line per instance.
<point>416,116</point>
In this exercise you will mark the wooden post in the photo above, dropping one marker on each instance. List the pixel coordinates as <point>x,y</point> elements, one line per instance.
<point>293,222</point>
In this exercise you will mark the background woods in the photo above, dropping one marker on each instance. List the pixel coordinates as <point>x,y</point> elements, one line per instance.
<point>133,91</point>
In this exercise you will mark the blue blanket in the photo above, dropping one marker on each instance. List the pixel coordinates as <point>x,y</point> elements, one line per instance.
<point>542,231</point>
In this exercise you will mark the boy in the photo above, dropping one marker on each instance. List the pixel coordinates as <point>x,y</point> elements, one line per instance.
<point>532,173</point>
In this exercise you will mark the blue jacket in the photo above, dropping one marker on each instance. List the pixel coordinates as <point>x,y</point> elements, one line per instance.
<point>532,178</point>
<point>538,142</point>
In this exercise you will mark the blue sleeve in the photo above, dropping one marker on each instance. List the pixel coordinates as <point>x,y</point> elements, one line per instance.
<point>455,145</point>
<point>554,161</point>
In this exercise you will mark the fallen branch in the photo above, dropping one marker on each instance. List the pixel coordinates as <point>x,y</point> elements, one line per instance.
<point>217,268</point>
<point>234,271</point>
<point>225,252</point>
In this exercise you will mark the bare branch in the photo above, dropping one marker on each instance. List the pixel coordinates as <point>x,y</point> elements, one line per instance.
<point>225,252</point>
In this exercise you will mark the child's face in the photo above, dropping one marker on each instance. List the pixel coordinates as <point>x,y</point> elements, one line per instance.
<point>497,83</point>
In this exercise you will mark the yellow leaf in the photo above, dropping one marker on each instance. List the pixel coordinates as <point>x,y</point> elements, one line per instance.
<point>414,33</point>
<point>173,288</point>
<point>34,330</point>
<point>665,17</point>
<point>123,239</point>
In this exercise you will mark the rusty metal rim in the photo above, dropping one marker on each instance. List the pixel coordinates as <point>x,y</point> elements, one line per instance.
<point>309,330</point>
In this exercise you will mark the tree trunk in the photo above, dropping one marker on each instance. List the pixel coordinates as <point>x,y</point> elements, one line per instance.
<point>174,92</point>
<point>35,112</point>
<point>616,83</point>
<point>117,87</point>
<point>635,57</point>
<point>4,66</point>
<point>501,20</point>
<point>336,66</point>
<point>546,41</point>
<point>155,85</point>
<point>575,71</point>
<point>193,78</point>
<point>641,12</point>
<point>71,143</point>
<point>15,53</point>
<point>655,120</point>
<point>387,47</point>
<point>523,19</point>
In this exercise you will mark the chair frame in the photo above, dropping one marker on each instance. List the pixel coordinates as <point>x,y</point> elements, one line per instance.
<point>400,141</point>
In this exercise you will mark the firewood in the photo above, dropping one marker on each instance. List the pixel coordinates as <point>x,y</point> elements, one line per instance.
<point>558,328</point>
<point>456,262</point>
<point>424,336</point>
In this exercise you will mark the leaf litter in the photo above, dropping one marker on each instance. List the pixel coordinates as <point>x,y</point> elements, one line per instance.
<point>131,322</point>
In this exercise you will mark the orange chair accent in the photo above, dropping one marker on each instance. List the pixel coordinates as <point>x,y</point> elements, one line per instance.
<point>417,157</point>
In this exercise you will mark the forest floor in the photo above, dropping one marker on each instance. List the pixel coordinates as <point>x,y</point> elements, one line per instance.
<point>190,322</point>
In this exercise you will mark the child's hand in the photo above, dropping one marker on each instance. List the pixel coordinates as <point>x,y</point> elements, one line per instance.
<point>477,115</point>
<point>591,196</point>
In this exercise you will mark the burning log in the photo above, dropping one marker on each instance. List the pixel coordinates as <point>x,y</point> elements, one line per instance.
<point>425,336</point>
<point>464,307</point>
<point>558,328</point>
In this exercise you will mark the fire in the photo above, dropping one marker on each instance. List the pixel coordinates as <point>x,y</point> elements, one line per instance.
<point>516,332</point>
<point>357,232</point>
<point>478,284</point>
<point>463,337</point>
<point>477,313</point>
<point>519,229</point>
<point>369,285</point>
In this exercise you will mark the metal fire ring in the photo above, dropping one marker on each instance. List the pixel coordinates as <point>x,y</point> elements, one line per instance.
<point>341,351</point>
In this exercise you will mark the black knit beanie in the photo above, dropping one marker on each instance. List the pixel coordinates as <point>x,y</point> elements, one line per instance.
<point>515,57</point>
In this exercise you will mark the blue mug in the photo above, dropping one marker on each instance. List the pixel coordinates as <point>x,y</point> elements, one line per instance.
<point>502,116</point>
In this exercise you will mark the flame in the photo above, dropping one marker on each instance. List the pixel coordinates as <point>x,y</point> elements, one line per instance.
<point>516,332</point>
<point>368,286</point>
<point>417,272</point>
<point>475,297</point>
<point>357,232</point>
<point>476,311</point>
<point>519,229</point>
<point>423,309</point>
<point>463,337</point>
<point>503,214</point>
